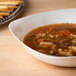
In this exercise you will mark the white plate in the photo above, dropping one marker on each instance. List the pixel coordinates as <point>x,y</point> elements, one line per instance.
<point>22,26</point>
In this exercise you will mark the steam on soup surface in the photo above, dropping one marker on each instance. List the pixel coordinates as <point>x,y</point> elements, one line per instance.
<point>53,39</point>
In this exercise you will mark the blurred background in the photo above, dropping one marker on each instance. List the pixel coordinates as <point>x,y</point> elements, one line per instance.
<point>36,6</point>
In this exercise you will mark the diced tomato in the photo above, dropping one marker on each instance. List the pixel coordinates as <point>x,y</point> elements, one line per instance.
<point>52,29</point>
<point>40,32</point>
<point>40,40</point>
<point>51,41</point>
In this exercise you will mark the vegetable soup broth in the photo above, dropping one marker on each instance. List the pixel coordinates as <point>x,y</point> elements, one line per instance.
<point>53,39</point>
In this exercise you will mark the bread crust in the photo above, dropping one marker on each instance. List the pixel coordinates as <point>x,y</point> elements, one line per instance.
<point>1,17</point>
<point>11,2</point>
<point>4,13</point>
<point>6,10</point>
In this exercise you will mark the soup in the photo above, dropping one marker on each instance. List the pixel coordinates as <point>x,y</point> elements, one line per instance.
<point>53,39</point>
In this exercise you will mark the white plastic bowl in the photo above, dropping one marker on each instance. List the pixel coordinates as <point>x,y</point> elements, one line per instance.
<point>22,26</point>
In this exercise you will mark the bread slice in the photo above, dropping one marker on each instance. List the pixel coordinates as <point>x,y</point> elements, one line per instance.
<point>1,17</point>
<point>6,10</point>
<point>11,2</point>
<point>4,14</point>
<point>12,7</point>
<point>3,7</point>
<point>7,6</point>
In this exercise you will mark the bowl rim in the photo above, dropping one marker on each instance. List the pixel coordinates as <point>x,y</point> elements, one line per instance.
<point>48,56</point>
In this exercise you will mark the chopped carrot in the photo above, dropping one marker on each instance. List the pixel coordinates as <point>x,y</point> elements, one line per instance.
<point>66,33</point>
<point>44,51</point>
<point>40,31</point>
<point>52,29</point>
<point>53,47</point>
<point>40,40</point>
<point>60,34</point>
